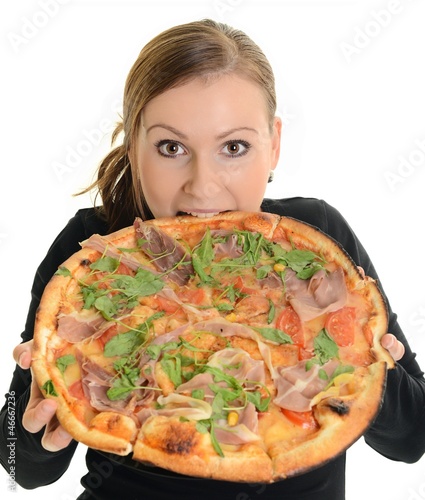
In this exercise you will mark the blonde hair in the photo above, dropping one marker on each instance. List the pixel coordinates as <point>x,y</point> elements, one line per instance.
<point>199,49</point>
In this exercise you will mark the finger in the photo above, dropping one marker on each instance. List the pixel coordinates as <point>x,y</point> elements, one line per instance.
<point>361,271</point>
<point>22,354</point>
<point>394,346</point>
<point>55,437</point>
<point>39,411</point>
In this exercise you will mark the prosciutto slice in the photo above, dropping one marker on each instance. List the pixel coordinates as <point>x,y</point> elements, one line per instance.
<point>229,247</point>
<point>320,294</point>
<point>168,255</point>
<point>296,386</point>
<point>245,431</point>
<point>105,247</point>
<point>76,327</point>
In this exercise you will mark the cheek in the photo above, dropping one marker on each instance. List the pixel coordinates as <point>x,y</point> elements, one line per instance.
<point>249,188</point>
<point>159,190</point>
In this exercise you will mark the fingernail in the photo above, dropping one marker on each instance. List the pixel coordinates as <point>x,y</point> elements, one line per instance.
<point>21,360</point>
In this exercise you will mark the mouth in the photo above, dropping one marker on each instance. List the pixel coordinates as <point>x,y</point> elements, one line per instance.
<point>202,214</point>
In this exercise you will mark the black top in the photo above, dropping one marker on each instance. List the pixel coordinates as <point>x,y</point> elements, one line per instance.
<point>397,433</point>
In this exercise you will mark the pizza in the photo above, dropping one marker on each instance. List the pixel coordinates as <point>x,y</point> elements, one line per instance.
<point>241,347</point>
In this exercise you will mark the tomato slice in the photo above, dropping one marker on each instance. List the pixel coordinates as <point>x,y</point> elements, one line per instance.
<point>195,296</point>
<point>107,335</point>
<point>290,323</point>
<point>166,305</point>
<point>304,419</point>
<point>341,326</point>
<point>239,285</point>
<point>76,390</point>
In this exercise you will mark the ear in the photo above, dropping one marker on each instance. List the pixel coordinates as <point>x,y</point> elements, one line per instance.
<point>276,136</point>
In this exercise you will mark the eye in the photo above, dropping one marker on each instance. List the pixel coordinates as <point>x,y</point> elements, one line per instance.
<point>234,149</point>
<point>170,149</point>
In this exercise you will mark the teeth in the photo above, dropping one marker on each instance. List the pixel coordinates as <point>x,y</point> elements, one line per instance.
<point>203,215</point>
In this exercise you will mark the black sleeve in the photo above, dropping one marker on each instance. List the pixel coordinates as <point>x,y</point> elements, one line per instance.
<point>398,432</point>
<point>33,464</point>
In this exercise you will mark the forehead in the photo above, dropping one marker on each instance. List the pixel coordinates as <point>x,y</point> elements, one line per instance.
<point>228,100</point>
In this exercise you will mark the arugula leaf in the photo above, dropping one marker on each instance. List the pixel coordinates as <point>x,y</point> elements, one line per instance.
<point>304,263</point>
<point>263,271</point>
<point>226,393</point>
<point>218,403</point>
<point>144,283</point>
<point>204,426</point>
<point>106,306</point>
<point>126,343</point>
<point>275,335</point>
<point>260,403</point>
<point>105,264</point>
<point>64,361</point>
<point>198,394</point>
<point>63,271</point>
<point>339,370</point>
<point>125,383</point>
<point>172,366</point>
<point>123,290</point>
<point>325,347</point>
<point>49,388</point>
<point>272,312</point>
<point>202,257</point>
<point>123,344</point>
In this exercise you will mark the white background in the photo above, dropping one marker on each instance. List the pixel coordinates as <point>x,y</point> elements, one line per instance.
<point>350,83</point>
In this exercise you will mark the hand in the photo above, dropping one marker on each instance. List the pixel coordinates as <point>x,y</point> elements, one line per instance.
<point>40,412</point>
<point>393,346</point>
<point>389,341</point>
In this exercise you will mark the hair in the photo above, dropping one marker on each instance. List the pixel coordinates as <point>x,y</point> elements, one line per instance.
<point>206,49</point>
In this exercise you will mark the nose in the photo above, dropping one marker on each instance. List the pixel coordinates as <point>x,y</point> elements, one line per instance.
<point>205,180</point>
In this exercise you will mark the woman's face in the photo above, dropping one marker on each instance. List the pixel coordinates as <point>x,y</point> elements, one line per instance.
<point>205,148</point>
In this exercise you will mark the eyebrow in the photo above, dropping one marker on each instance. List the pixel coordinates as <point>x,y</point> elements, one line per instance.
<point>184,136</point>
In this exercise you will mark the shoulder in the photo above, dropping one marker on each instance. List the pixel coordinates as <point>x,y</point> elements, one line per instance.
<point>313,211</point>
<point>81,226</point>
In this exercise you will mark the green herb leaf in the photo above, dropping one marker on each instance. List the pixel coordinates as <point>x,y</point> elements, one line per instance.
<point>126,343</point>
<point>325,347</point>
<point>64,361</point>
<point>198,394</point>
<point>63,271</point>
<point>272,312</point>
<point>261,404</point>
<point>214,441</point>
<point>202,257</point>
<point>263,271</point>
<point>304,262</point>
<point>173,368</point>
<point>106,306</point>
<point>123,344</point>
<point>49,388</point>
<point>105,264</point>
<point>275,335</point>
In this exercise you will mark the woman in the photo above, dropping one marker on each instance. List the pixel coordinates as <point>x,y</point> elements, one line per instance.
<point>200,137</point>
